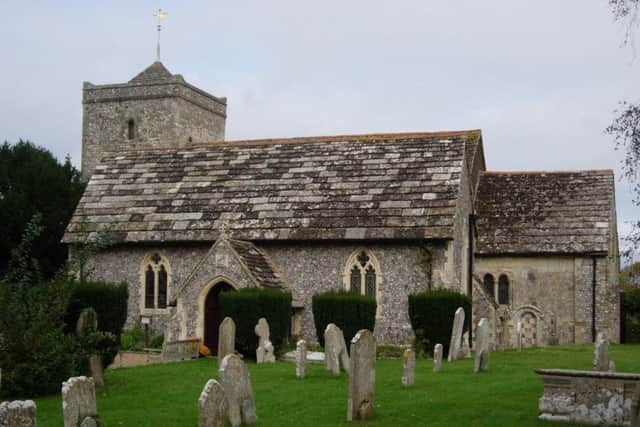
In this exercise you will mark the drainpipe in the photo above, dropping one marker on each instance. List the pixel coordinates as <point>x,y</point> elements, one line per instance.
<point>593,300</point>
<point>471,233</point>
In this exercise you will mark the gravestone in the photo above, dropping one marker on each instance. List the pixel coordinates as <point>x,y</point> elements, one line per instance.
<point>226,338</point>
<point>97,373</point>
<point>465,349</point>
<point>212,405</point>
<point>601,354</point>
<point>19,413</point>
<point>482,346</point>
<point>335,350</point>
<point>264,352</point>
<point>437,358</point>
<point>456,335</point>
<point>362,377</point>
<point>301,358</point>
<point>236,383</point>
<point>408,367</point>
<point>519,335</point>
<point>87,322</point>
<point>78,402</point>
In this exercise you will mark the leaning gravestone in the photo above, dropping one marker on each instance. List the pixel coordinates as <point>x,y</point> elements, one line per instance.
<point>362,376</point>
<point>482,346</point>
<point>601,355</point>
<point>408,367</point>
<point>18,413</point>
<point>301,358</point>
<point>456,335</point>
<point>97,373</point>
<point>235,381</point>
<point>79,402</point>
<point>87,322</point>
<point>226,338</point>
<point>212,405</point>
<point>437,358</point>
<point>264,352</point>
<point>335,350</point>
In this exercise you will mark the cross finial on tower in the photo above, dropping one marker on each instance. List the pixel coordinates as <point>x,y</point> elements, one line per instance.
<point>160,14</point>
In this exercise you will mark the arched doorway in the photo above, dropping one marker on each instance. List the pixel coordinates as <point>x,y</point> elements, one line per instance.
<point>211,315</point>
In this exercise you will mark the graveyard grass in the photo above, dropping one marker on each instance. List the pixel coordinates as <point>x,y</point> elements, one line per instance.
<point>506,395</point>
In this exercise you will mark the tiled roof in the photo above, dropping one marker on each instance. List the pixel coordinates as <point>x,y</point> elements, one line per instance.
<point>545,212</point>
<point>154,72</point>
<point>257,264</point>
<point>392,186</point>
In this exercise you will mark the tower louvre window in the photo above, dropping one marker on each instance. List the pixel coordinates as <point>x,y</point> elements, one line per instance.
<point>131,129</point>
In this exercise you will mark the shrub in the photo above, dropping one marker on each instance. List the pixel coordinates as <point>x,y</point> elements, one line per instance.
<point>432,314</point>
<point>349,311</point>
<point>631,310</point>
<point>110,303</point>
<point>35,354</point>
<point>132,339</point>
<point>246,306</point>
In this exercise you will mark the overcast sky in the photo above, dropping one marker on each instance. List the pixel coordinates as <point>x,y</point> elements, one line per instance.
<point>540,78</point>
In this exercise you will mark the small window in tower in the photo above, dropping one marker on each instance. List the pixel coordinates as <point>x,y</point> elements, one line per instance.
<point>131,129</point>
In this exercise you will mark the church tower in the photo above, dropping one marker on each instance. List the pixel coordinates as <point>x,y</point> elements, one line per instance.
<point>155,109</point>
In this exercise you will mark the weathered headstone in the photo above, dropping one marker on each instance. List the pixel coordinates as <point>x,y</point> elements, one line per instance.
<point>465,349</point>
<point>601,355</point>
<point>264,352</point>
<point>78,401</point>
<point>236,383</point>
<point>19,413</point>
<point>301,358</point>
<point>226,337</point>
<point>437,358</point>
<point>212,405</point>
<point>335,350</point>
<point>408,367</point>
<point>362,377</point>
<point>482,346</point>
<point>87,322</point>
<point>97,373</point>
<point>456,335</point>
<point>519,336</point>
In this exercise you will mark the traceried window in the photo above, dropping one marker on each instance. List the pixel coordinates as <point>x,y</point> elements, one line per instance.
<point>363,273</point>
<point>503,289</point>
<point>488,285</point>
<point>156,281</point>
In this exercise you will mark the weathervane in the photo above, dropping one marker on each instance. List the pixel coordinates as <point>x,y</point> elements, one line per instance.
<point>160,14</point>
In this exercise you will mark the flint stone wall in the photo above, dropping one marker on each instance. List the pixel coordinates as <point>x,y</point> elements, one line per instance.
<point>559,289</point>
<point>588,397</point>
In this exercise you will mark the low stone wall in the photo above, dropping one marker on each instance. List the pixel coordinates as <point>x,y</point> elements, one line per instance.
<point>180,350</point>
<point>125,359</point>
<point>588,397</point>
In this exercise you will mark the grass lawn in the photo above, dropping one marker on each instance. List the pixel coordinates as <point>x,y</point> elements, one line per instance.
<point>506,395</point>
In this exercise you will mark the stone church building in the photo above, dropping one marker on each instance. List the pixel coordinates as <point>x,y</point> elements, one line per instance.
<point>192,215</point>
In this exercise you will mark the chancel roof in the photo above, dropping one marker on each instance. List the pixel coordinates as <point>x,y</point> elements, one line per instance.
<point>545,212</point>
<point>391,186</point>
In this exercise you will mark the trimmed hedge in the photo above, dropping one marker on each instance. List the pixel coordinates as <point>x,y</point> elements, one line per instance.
<point>432,314</point>
<point>349,311</point>
<point>109,300</point>
<point>631,310</point>
<point>246,306</point>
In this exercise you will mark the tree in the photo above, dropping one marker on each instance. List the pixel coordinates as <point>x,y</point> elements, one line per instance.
<point>625,128</point>
<point>33,181</point>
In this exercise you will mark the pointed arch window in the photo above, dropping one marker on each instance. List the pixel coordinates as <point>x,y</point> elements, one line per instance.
<point>156,281</point>
<point>488,284</point>
<point>503,289</point>
<point>363,273</point>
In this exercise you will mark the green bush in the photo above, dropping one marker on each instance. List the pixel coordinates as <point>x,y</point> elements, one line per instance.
<point>432,314</point>
<point>631,309</point>
<point>110,303</point>
<point>132,339</point>
<point>349,311</point>
<point>35,354</point>
<point>246,306</point>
